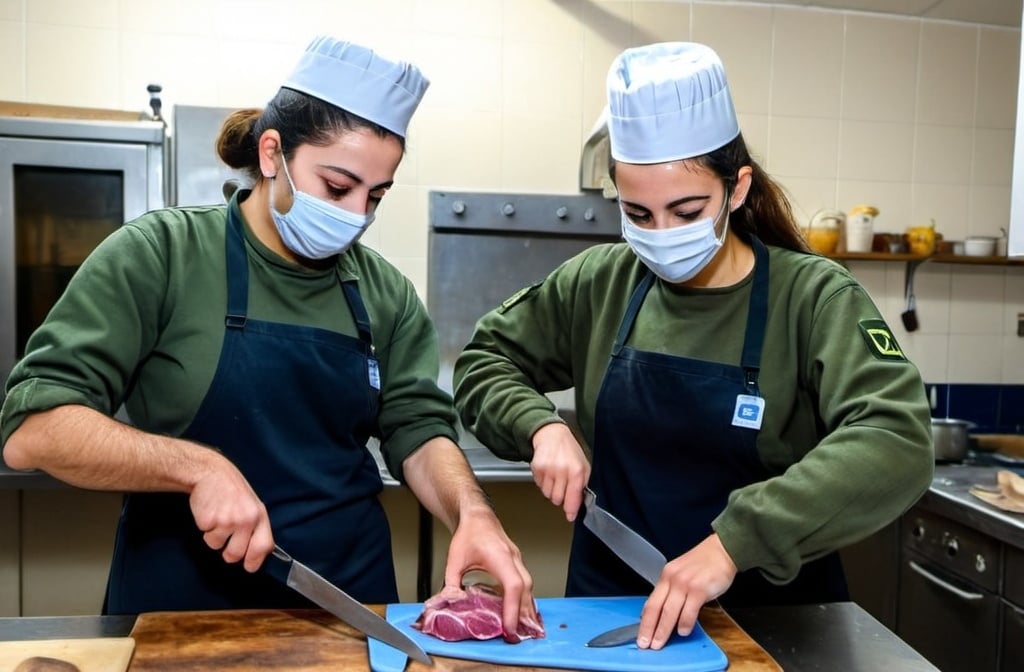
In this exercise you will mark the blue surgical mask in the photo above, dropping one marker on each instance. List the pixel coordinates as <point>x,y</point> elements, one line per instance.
<point>313,228</point>
<point>679,253</point>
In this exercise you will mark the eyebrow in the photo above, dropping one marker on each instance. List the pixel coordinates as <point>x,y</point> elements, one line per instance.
<point>355,178</point>
<point>672,204</point>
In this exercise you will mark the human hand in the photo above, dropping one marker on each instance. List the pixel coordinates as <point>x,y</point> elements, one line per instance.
<point>560,468</point>
<point>698,576</point>
<point>480,543</point>
<point>232,518</point>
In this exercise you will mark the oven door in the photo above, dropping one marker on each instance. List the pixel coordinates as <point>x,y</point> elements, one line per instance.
<point>58,200</point>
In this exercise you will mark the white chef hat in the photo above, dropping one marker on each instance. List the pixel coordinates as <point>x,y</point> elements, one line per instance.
<point>360,81</point>
<point>668,101</point>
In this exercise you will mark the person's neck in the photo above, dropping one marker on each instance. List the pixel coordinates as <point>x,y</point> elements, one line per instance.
<point>256,210</point>
<point>733,262</point>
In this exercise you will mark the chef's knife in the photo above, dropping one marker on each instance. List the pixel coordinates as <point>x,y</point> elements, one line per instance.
<point>321,591</point>
<point>635,551</point>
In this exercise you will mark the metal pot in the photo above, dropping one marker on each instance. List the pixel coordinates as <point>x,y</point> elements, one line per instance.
<point>949,439</point>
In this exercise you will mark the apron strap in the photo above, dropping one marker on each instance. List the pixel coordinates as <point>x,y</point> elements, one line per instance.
<point>757,317</point>
<point>359,312</point>
<point>237,270</point>
<point>632,309</point>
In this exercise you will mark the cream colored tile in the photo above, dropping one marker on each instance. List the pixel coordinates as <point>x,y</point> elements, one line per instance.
<point>976,305</point>
<point>975,358</point>
<point>414,268</point>
<point>990,210</point>
<point>543,21</point>
<point>464,72</point>
<point>661,22</point>
<point>891,198</point>
<point>243,87</point>
<point>1013,359</point>
<point>548,163</point>
<point>756,130</point>
<point>89,79</point>
<point>948,207</point>
<point>804,147</point>
<point>184,17</point>
<point>371,238</point>
<point>607,31</point>
<point>807,65</point>
<point>942,154</point>
<point>294,23</point>
<point>93,14</point>
<point>474,18</point>
<point>183,70</point>
<point>998,68</point>
<point>541,80</point>
<point>872,277</point>
<point>928,352</point>
<point>460,149</point>
<point>12,10</point>
<point>947,76</point>
<point>880,68</point>
<point>808,195</point>
<point>738,33</point>
<point>12,55</point>
<point>992,163</point>
<point>875,151</point>
<point>402,222</point>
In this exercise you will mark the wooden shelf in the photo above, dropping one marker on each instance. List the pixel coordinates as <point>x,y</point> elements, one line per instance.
<point>938,258</point>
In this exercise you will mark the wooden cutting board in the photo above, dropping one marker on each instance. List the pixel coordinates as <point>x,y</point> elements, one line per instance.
<point>103,654</point>
<point>1010,445</point>
<point>311,640</point>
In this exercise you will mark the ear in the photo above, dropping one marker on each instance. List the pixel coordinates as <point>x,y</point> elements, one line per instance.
<point>744,177</point>
<point>268,147</point>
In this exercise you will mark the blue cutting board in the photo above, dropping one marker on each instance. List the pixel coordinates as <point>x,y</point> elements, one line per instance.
<point>570,623</point>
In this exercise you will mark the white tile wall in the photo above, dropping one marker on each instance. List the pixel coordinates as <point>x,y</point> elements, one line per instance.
<point>914,116</point>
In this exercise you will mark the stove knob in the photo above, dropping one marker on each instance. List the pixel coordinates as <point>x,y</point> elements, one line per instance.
<point>508,209</point>
<point>918,531</point>
<point>562,212</point>
<point>459,207</point>
<point>952,546</point>
<point>979,563</point>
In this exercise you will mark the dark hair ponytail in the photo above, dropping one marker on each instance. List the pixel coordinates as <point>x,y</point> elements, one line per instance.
<point>766,211</point>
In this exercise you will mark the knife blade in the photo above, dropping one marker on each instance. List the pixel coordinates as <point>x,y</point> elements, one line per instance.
<point>328,596</point>
<point>616,636</point>
<point>635,551</point>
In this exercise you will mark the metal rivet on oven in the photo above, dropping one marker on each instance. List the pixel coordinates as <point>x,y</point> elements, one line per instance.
<point>588,214</point>
<point>562,212</point>
<point>508,209</point>
<point>458,207</point>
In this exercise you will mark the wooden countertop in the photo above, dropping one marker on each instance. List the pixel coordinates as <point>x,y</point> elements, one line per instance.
<point>314,640</point>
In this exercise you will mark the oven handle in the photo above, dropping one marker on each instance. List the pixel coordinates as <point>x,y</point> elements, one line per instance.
<point>963,594</point>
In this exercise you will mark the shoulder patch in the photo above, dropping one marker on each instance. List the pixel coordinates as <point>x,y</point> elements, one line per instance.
<point>880,340</point>
<point>519,297</point>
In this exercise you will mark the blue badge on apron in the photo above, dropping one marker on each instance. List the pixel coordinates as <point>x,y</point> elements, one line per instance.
<point>749,411</point>
<point>374,373</point>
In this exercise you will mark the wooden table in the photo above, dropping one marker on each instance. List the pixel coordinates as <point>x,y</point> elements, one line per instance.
<point>314,640</point>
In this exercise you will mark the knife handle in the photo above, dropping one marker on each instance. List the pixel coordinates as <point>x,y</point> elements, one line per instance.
<point>280,554</point>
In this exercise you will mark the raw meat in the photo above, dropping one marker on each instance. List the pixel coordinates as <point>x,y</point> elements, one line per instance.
<point>473,613</point>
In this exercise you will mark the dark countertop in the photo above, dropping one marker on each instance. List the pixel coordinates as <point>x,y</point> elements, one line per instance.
<point>840,636</point>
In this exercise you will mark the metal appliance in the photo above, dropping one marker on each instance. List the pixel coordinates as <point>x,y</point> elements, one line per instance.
<point>199,176</point>
<point>68,178</point>
<point>484,247</point>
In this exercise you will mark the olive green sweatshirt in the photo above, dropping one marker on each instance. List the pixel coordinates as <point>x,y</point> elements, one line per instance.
<point>846,432</point>
<point>142,323</point>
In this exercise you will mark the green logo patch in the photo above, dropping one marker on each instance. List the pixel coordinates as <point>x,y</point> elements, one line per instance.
<point>880,340</point>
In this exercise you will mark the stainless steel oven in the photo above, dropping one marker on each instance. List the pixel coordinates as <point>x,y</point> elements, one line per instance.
<point>483,247</point>
<point>65,184</point>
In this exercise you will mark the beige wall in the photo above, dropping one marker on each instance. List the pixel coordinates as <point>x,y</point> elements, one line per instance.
<point>913,116</point>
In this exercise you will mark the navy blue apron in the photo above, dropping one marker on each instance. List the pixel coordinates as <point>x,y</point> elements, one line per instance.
<point>292,407</point>
<point>667,454</point>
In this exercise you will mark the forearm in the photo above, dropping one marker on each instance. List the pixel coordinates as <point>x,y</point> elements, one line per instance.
<point>87,449</point>
<point>442,480</point>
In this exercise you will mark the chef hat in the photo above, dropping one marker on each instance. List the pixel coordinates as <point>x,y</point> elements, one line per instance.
<point>668,101</point>
<point>360,81</point>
